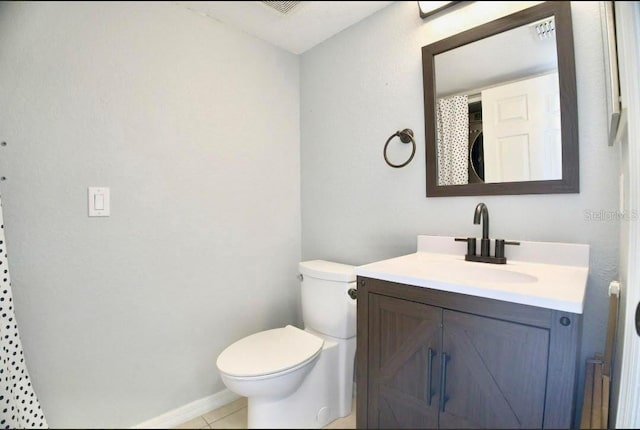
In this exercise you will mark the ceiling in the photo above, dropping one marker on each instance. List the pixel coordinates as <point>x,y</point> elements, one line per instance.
<point>303,27</point>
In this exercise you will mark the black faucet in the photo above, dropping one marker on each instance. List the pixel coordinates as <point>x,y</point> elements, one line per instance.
<point>485,243</point>
<point>481,214</point>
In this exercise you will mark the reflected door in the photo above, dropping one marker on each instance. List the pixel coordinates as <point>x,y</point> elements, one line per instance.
<point>521,127</point>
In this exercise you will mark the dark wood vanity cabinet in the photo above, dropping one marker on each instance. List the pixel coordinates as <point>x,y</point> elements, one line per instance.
<point>433,359</point>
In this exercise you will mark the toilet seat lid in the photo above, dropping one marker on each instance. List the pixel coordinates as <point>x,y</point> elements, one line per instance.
<point>269,351</point>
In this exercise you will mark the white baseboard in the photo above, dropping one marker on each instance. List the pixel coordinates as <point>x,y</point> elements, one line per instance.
<point>189,411</point>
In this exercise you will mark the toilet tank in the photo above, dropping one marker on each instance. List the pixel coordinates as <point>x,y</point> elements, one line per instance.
<point>326,305</point>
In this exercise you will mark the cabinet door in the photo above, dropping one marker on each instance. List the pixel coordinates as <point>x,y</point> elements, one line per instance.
<point>495,373</point>
<point>404,346</point>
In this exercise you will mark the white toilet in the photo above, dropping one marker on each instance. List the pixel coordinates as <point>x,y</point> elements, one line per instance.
<point>300,378</point>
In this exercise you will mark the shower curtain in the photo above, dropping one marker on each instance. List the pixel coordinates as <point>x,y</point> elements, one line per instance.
<point>453,140</point>
<point>19,407</point>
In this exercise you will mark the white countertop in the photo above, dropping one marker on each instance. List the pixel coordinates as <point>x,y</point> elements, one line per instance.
<point>546,274</point>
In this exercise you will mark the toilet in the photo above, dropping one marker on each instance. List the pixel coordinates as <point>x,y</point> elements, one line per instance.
<point>297,378</point>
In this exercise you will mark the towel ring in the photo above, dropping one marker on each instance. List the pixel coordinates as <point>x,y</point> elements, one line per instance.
<point>405,136</point>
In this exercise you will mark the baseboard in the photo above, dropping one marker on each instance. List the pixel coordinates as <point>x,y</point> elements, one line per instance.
<point>189,411</point>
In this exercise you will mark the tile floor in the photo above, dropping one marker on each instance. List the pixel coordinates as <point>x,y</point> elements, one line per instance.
<point>234,416</point>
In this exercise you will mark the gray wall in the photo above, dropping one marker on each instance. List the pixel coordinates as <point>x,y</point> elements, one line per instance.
<point>362,85</point>
<point>195,127</point>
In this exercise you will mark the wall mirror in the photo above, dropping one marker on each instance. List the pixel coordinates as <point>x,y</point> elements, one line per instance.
<point>500,107</point>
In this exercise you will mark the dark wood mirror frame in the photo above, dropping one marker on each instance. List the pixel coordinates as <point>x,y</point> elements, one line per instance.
<point>570,182</point>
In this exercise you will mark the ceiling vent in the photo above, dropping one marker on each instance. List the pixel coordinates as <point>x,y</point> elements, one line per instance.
<point>283,7</point>
<point>544,29</point>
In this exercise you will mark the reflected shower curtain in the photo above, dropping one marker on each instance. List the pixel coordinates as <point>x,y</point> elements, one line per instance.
<point>452,118</point>
<point>19,407</point>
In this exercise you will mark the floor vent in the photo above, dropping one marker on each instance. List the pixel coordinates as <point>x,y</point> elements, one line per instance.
<point>283,7</point>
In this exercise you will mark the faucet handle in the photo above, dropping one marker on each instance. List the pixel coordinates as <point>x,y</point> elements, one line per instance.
<point>500,243</point>
<point>471,244</point>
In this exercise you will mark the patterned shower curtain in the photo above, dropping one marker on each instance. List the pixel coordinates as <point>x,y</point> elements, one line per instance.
<point>452,114</point>
<point>19,407</point>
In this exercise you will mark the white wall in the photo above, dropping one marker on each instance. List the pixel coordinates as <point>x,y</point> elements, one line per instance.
<point>195,127</point>
<point>362,85</point>
<point>625,389</point>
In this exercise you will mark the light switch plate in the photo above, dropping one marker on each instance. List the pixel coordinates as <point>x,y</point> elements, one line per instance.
<point>99,202</point>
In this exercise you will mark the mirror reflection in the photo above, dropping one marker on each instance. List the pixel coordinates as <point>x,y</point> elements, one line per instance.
<point>498,108</point>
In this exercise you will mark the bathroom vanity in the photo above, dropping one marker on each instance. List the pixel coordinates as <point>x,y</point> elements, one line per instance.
<point>448,343</point>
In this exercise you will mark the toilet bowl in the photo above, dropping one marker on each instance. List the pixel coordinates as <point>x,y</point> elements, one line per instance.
<point>297,378</point>
<point>272,363</point>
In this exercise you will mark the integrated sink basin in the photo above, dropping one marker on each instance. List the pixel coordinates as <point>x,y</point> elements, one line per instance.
<point>545,274</point>
<point>471,272</point>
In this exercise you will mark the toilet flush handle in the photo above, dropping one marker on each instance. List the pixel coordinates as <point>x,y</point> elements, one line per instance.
<point>353,293</point>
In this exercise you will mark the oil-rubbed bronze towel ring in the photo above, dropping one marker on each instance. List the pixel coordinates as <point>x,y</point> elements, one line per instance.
<point>405,136</point>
